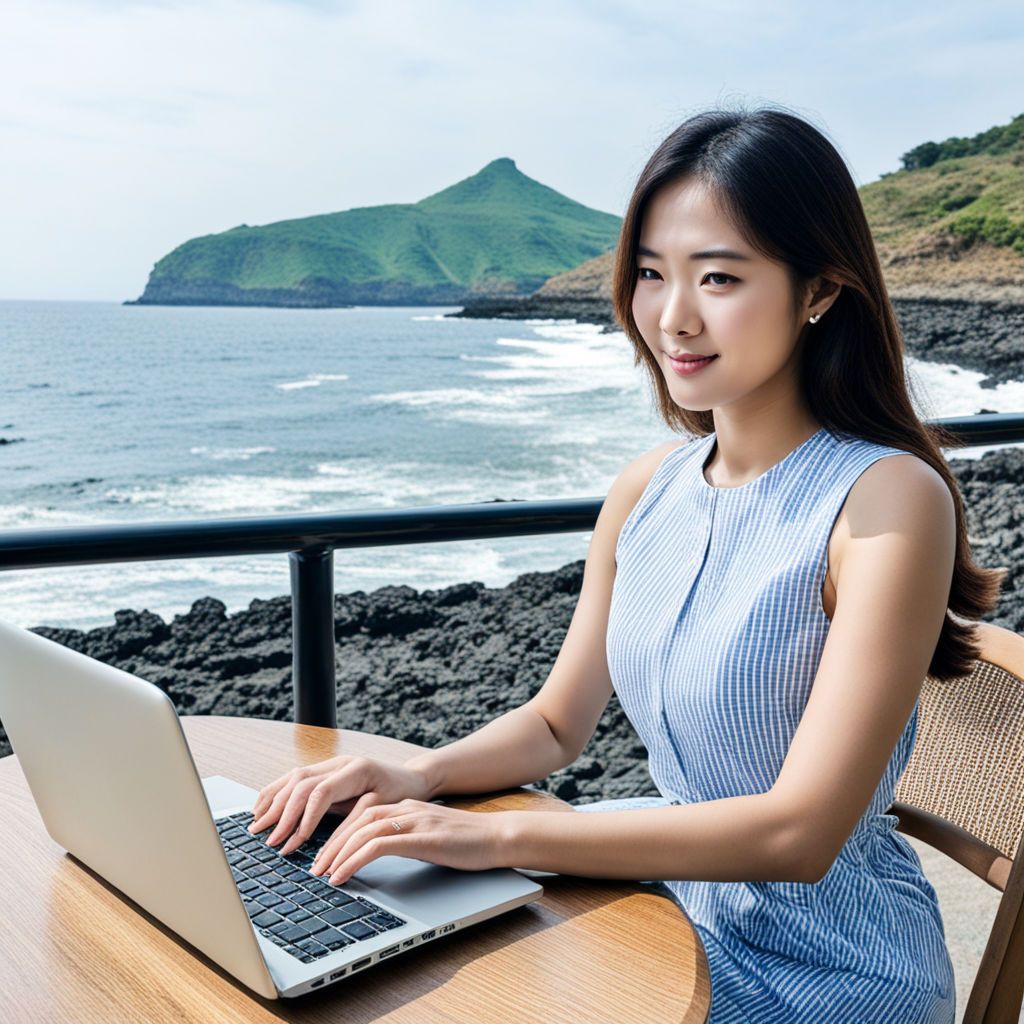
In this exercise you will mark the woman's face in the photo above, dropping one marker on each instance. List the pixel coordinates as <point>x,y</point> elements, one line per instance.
<point>736,308</point>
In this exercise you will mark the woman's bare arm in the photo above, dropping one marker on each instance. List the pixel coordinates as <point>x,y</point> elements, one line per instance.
<point>550,730</point>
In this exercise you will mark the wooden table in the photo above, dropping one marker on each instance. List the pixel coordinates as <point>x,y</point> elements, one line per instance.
<point>73,949</point>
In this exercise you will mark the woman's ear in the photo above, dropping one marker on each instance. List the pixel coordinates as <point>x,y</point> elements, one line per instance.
<point>822,292</point>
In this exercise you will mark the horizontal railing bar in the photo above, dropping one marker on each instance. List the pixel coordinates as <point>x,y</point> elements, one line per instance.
<point>153,541</point>
<point>134,542</point>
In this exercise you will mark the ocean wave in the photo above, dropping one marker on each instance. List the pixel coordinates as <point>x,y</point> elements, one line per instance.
<point>312,380</point>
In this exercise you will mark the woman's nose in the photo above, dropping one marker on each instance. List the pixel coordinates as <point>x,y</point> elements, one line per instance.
<point>678,318</point>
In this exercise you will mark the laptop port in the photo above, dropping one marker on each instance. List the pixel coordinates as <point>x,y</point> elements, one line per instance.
<point>407,943</point>
<point>428,935</point>
<point>387,952</point>
<point>448,928</point>
<point>361,963</point>
<point>337,974</point>
<point>317,983</point>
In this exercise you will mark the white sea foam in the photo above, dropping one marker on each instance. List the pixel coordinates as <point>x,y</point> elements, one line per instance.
<point>222,454</point>
<point>312,381</point>
<point>565,360</point>
<point>41,516</point>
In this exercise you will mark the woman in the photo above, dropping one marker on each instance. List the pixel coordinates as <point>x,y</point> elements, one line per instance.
<point>764,598</point>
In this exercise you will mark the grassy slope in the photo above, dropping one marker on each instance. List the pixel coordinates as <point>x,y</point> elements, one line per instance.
<point>497,230</point>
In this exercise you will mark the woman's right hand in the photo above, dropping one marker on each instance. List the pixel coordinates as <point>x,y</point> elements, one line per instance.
<point>343,785</point>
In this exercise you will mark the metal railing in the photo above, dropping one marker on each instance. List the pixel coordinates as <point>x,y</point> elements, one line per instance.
<point>310,541</point>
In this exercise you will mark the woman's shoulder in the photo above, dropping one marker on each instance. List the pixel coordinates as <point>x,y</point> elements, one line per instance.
<point>896,476</point>
<point>637,475</point>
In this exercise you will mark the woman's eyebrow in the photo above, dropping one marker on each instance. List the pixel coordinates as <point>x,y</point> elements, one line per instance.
<point>704,254</point>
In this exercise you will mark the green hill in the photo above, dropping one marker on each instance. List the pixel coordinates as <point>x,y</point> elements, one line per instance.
<point>497,233</point>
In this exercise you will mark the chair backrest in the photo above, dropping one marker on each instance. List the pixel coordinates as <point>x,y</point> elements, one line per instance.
<point>963,793</point>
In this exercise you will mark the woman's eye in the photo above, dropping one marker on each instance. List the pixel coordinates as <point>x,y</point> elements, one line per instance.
<point>728,277</point>
<point>646,270</point>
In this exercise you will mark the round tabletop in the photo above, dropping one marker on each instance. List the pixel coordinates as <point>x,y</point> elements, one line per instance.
<point>74,948</point>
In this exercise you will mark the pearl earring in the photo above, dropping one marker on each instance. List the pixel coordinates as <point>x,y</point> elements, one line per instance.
<point>814,319</point>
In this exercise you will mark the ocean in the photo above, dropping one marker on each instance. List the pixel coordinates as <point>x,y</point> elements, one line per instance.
<point>121,414</point>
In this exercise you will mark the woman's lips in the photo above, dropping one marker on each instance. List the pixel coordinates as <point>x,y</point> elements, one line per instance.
<point>688,367</point>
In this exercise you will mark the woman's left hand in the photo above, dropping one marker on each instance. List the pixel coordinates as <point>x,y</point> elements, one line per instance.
<point>470,840</point>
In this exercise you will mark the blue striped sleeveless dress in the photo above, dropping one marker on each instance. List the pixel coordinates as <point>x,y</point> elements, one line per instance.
<point>715,633</point>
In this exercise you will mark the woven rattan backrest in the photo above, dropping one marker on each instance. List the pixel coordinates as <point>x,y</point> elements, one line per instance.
<point>967,765</point>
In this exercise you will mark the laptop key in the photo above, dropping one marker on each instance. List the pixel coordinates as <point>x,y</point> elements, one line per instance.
<point>303,897</point>
<point>317,906</point>
<point>312,947</point>
<point>338,899</point>
<point>237,875</point>
<point>268,899</point>
<point>333,942</point>
<point>340,915</point>
<point>385,921</point>
<point>248,886</point>
<point>277,929</point>
<point>266,919</point>
<point>358,930</point>
<point>294,933</point>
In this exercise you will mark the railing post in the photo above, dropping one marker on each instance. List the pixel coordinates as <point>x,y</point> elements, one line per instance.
<point>314,689</point>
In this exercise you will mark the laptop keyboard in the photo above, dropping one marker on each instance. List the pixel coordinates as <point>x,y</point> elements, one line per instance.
<point>302,913</point>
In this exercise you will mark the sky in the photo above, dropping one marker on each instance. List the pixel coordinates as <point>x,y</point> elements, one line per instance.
<point>129,126</point>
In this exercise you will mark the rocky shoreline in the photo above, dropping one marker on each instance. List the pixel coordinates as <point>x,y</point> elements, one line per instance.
<point>432,666</point>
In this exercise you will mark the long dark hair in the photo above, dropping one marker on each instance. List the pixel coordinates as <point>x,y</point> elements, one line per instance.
<point>789,193</point>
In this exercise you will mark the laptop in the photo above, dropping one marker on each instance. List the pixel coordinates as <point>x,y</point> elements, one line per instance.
<point>109,768</point>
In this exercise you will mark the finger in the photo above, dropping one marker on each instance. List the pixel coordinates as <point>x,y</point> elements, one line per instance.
<point>293,810</point>
<point>317,803</point>
<point>366,812</point>
<point>379,828</point>
<point>379,846</point>
<point>273,812</point>
<point>365,829</point>
<point>266,795</point>
<point>357,818</point>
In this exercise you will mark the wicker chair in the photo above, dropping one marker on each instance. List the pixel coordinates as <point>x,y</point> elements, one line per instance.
<point>963,793</point>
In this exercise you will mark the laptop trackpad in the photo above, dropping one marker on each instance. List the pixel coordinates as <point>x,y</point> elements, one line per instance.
<point>432,893</point>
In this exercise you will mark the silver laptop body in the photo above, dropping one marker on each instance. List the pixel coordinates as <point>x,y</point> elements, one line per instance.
<point>110,770</point>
